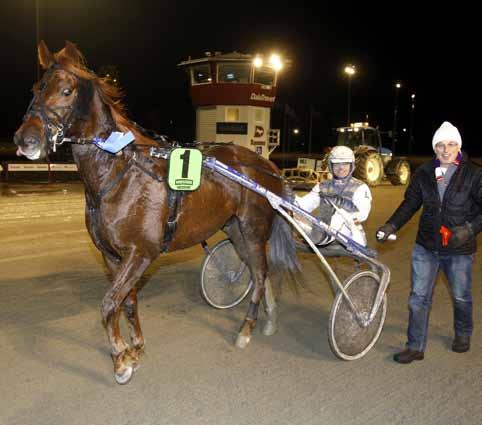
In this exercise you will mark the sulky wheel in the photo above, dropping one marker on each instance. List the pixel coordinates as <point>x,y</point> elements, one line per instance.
<point>349,340</point>
<point>225,279</point>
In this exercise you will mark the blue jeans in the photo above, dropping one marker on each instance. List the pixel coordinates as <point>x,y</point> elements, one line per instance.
<point>425,267</point>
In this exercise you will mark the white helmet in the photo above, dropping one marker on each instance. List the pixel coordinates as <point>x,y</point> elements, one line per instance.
<point>341,154</point>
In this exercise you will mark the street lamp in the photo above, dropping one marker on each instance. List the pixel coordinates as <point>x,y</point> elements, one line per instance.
<point>275,62</point>
<point>395,117</point>
<point>258,61</point>
<point>412,120</point>
<point>349,71</point>
<point>37,36</point>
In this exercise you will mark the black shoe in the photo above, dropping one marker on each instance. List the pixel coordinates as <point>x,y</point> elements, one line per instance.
<point>461,344</point>
<point>408,356</point>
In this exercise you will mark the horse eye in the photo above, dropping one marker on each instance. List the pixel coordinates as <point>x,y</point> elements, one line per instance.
<point>66,92</point>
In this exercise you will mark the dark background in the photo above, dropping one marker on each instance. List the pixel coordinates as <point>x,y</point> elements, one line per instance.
<point>432,49</point>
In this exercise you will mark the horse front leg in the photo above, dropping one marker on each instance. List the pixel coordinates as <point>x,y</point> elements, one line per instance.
<point>124,279</point>
<point>120,351</point>
<point>131,313</point>
<point>135,332</point>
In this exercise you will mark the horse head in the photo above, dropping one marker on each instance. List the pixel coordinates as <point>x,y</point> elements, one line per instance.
<point>62,104</point>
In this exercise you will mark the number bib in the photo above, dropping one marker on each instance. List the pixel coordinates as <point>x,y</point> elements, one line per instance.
<point>185,166</point>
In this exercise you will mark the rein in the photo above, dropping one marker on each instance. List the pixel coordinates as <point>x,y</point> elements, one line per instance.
<point>56,129</point>
<point>158,138</point>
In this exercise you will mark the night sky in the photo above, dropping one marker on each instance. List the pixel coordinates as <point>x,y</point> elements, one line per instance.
<point>432,53</point>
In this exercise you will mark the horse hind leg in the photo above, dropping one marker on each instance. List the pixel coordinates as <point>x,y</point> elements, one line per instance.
<point>271,309</point>
<point>258,273</point>
<point>252,251</point>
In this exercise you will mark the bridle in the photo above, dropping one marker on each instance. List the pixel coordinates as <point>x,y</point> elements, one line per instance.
<point>56,127</point>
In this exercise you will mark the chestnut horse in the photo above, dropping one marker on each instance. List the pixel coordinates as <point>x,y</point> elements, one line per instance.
<point>131,214</point>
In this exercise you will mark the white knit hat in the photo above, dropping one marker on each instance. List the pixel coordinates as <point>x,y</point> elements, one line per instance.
<point>447,133</point>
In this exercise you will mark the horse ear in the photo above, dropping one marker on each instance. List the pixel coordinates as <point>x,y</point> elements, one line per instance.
<point>45,58</point>
<point>72,52</point>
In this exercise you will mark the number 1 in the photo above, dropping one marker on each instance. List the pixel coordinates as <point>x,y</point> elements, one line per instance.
<point>185,163</point>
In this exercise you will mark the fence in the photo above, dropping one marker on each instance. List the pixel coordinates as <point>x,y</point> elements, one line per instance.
<point>21,167</point>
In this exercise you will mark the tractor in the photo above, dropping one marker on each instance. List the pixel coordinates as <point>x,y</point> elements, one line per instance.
<point>373,162</point>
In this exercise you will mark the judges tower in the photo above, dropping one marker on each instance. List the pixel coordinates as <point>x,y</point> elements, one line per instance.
<point>233,95</point>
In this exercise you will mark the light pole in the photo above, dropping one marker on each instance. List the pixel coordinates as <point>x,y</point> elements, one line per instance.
<point>37,36</point>
<point>395,118</point>
<point>349,71</point>
<point>412,120</point>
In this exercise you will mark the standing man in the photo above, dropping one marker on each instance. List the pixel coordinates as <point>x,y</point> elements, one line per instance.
<point>449,188</point>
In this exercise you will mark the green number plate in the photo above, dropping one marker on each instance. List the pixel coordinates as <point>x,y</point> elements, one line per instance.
<point>185,166</point>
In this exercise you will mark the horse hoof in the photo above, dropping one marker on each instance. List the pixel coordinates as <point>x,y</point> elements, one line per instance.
<point>242,341</point>
<point>133,358</point>
<point>125,377</point>
<point>270,328</point>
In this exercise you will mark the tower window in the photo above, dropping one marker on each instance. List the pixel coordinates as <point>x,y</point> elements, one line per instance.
<point>234,72</point>
<point>259,115</point>
<point>264,76</point>
<point>201,74</point>
<point>232,114</point>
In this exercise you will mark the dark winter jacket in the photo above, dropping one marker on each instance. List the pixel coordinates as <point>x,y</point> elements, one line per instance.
<point>462,203</point>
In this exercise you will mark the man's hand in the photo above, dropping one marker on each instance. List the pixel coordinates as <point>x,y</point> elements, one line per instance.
<point>326,211</point>
<point>384,232</point>
<point>341,202</point>
<point>461,235</point>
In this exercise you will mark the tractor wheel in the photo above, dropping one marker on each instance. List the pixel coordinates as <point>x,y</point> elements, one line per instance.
<point>398,172</point>
<point>369,168</point>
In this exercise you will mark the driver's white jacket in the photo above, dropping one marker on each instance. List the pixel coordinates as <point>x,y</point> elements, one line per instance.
<point>348,220</point>
<point>356,191</point>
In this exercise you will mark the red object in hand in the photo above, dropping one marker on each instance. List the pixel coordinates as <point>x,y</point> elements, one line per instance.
<point>446,233</point>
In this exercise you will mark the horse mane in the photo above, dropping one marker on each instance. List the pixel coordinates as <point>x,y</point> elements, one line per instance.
<point>110,95</point>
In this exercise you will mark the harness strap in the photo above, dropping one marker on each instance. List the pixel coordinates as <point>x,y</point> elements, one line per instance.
<point>174,199</point>
<point>132,162</point>
<point>173,203</point>
<point>164,152</point>
<point>148,172</point>
<point>112,183</point>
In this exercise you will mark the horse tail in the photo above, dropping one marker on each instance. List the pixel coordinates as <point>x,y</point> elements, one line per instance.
<point>282,247</point>
<point>282,255</point>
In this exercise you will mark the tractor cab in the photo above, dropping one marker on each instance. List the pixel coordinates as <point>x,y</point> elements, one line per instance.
<point>373,161</point>
<point>358,134</point>
<point>360,137</point>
